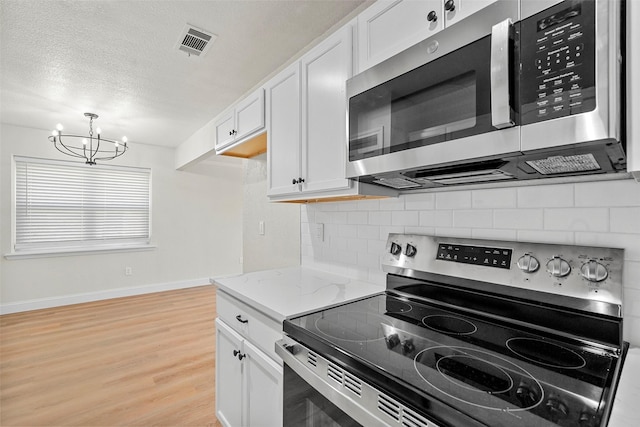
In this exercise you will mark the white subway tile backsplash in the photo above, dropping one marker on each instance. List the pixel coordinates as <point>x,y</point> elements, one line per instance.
<point>368,205</point>
<point>476,218</point>
<point>357,217</point>
<point>346,230</point>
<point>541,236</point>
<point>347,206</point>
<point>631,274</point>
<point>577,219</point>
<point>376,246</point>
<point>453,200</point>
<point>420,230</point>
<point>405,218</point>
<point>357,245</point>
<point>392,204</point>
<point>493,198</point>
<point>368,231</point>
<point>518,219</point>
<point>625,220</point>
<point>420,201</point>
<point>549,196</point>
<point>453,232</point>
<point>368,260</point>
<point>436,218</point>
<point>385,231</point>
<point>493,234</point>
<point>608,193</point>
<point>380,218</point>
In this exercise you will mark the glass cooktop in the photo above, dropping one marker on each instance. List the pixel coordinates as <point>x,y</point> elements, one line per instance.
<point>496,373</point>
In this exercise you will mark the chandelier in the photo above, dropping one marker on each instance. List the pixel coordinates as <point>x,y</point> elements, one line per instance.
<point>90,148</point>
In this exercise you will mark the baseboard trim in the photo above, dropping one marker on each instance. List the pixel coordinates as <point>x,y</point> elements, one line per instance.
<point>37,304</point>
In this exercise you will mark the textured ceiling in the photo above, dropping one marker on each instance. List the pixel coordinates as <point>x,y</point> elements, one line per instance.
<point>119,59</point>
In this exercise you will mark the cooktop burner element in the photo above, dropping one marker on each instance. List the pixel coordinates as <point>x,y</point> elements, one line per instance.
<point>546,353</point>
<point>466,337</point>
<point>449,324</point>
<point>478,378</point>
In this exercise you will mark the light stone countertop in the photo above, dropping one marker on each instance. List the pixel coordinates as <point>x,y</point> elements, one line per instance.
<point>281,293</point>
<point>626,406</point>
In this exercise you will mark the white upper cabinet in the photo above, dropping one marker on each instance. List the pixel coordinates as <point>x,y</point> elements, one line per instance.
<point>306,124</point>
<point>283,131</point>
<point>456,10</point>
<point>245,119</point>
<point>389,27</point>
<point>325,71</point>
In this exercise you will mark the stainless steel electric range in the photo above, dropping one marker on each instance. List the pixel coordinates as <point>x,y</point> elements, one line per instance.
<point>468,333</point>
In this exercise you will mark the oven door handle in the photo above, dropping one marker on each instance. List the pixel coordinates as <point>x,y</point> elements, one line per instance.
<point>501,111</point>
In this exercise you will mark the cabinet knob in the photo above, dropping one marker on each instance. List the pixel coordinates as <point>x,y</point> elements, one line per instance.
<point>234,131</point>
<point>295,181</point>
<point>432,16</point>
<point>450,5</point>
<point>239,355</point>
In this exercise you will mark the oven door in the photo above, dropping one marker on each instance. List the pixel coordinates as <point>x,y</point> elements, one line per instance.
<point>447,99</point>
<point>306,406</point>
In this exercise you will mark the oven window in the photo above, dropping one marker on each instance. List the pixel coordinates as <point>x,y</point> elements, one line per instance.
<point>446,99</point>
<point>305,407</point>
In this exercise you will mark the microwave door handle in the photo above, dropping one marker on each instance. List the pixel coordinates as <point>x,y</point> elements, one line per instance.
<point>501,116</point>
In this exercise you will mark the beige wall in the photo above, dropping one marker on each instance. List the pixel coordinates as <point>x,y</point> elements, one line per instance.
<point>196,227</point>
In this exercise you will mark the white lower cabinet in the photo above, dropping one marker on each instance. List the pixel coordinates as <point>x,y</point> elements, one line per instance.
<point>248,371</point>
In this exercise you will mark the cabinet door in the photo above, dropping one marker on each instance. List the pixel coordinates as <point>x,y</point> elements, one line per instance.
<point>224,130</point>
<point>263,388</point>
<point>229,376</point>
<point>389,27</point>
<point>325,71</point>
<point>250,114</point>
<point>283,131</point>
<point>456,10</point>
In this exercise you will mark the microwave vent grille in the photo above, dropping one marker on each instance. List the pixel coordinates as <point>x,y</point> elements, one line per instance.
<point>398,183</point>
<point>565,164</point>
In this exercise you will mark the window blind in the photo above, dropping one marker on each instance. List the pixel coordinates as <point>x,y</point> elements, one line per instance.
<point>65,204</point>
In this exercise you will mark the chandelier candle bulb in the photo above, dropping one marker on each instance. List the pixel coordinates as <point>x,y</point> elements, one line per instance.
<point>68,144</point>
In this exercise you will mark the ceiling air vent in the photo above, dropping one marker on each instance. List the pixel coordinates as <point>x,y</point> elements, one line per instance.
<point>195,41</point>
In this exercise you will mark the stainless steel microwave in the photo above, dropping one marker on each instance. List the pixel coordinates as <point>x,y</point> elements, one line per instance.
<point>520,90</point>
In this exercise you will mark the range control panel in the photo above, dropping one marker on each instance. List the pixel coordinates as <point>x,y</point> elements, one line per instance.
<point>558,62</point>
<point>542,270</point>
<point>478,255</point>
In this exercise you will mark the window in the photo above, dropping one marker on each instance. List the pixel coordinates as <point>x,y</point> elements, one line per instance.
<point>64,206</point>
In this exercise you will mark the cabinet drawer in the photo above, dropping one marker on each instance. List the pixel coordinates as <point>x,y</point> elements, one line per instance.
<point>257,328</point>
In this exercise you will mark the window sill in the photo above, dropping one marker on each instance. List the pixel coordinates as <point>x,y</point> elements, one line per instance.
<point>48,253</point>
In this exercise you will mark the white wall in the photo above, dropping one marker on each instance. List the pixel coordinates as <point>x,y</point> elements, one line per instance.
<point>595,213</point>
<point>196,224</point>
<point>279,246</point>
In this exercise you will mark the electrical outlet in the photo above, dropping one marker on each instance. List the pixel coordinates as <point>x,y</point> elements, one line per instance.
<point>320,232</point>
<point>128,271</point>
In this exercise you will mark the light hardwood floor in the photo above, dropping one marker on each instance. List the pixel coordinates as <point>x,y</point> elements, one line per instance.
<point>146,360</point>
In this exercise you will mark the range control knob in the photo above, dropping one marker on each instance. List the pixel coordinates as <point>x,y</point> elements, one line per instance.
<point>410,250</point>
<point>587,418</point>
<point>528,263</point>
<point>557,409</point>
<point>558,267</point>
<point>396,249</point>
<point>392,340</point>
<point>593,271</point>
<point>526,395</point>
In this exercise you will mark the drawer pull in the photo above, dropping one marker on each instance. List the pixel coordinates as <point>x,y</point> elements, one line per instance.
<point>240,319</point>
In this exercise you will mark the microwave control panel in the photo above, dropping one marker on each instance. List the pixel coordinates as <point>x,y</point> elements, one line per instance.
<point>558,62</point>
